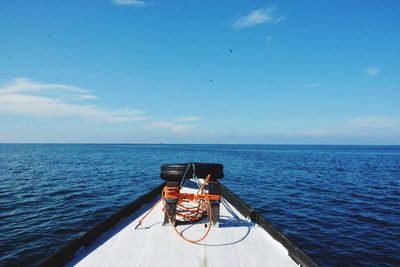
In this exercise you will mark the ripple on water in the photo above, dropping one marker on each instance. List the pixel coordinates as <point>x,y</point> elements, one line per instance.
<point>340,204</point>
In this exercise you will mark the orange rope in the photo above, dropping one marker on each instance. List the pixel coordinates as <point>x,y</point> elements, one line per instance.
<point>181,234</point>
<point>189,207</point>
<point>141,220</point>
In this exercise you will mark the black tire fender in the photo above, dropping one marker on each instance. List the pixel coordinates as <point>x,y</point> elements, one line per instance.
<point>175,172</point>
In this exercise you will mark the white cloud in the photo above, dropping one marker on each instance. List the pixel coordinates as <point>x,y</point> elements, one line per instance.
<point>256,17</point>
<point>182,128</point>
<point>86,97</point>
<point>135,3</point>
<point>360,126</point>
<point>174,127</point>
<point>303,84</point>
<point>160,124</point>
<point>374,122</point>
<point>372,71</point>
<point>189,118</point>
<point>22,96</point>
<point>18,85</point>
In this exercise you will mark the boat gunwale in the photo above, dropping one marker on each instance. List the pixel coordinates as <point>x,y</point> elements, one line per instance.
<point>295,253</point>
<point>65,254</point>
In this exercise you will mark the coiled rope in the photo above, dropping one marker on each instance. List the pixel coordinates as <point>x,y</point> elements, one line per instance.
<point>189,208</point>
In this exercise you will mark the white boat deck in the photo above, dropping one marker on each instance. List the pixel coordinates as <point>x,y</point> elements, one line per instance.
<point>236,242</point>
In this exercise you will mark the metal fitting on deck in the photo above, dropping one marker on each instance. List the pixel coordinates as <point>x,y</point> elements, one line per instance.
<point>170,204</point>
<point>214,189</point>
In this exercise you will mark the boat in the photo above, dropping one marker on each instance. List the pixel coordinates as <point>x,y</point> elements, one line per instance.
<point>191,219</point>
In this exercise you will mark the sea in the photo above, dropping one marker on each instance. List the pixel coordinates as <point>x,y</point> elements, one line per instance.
<point>339,204</point>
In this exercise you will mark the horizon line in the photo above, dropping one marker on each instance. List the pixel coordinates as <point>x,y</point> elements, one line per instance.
<point>145,143</point>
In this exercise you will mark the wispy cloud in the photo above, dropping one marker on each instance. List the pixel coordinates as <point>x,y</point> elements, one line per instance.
<point>175,128</point>
<point>303,84</point>
<point>182,128</point>
<point>135,3</point>
<point>86,97</point>
<point>23,96</point>
<point>360,126</point>
<point>189,118</point>
<point>258,16</point>
<point>18,85</point>
<point>373,122</point>
<point>372,71</point>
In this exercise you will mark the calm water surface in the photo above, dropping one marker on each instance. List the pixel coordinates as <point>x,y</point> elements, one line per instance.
<point>340,204</point>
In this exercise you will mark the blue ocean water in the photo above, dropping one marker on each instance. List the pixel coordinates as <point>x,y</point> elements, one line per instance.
<point>340,204</point>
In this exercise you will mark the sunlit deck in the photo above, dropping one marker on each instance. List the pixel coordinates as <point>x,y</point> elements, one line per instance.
<point>236,242</point>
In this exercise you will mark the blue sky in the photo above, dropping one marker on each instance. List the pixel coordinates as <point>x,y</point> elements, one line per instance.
<point>131,71</point>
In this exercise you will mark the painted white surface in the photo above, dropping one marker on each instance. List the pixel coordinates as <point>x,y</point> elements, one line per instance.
<point>237,242</point>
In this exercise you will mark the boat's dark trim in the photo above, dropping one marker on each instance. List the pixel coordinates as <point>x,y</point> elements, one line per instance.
<point>294,252</point>
<point>66,254</point>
